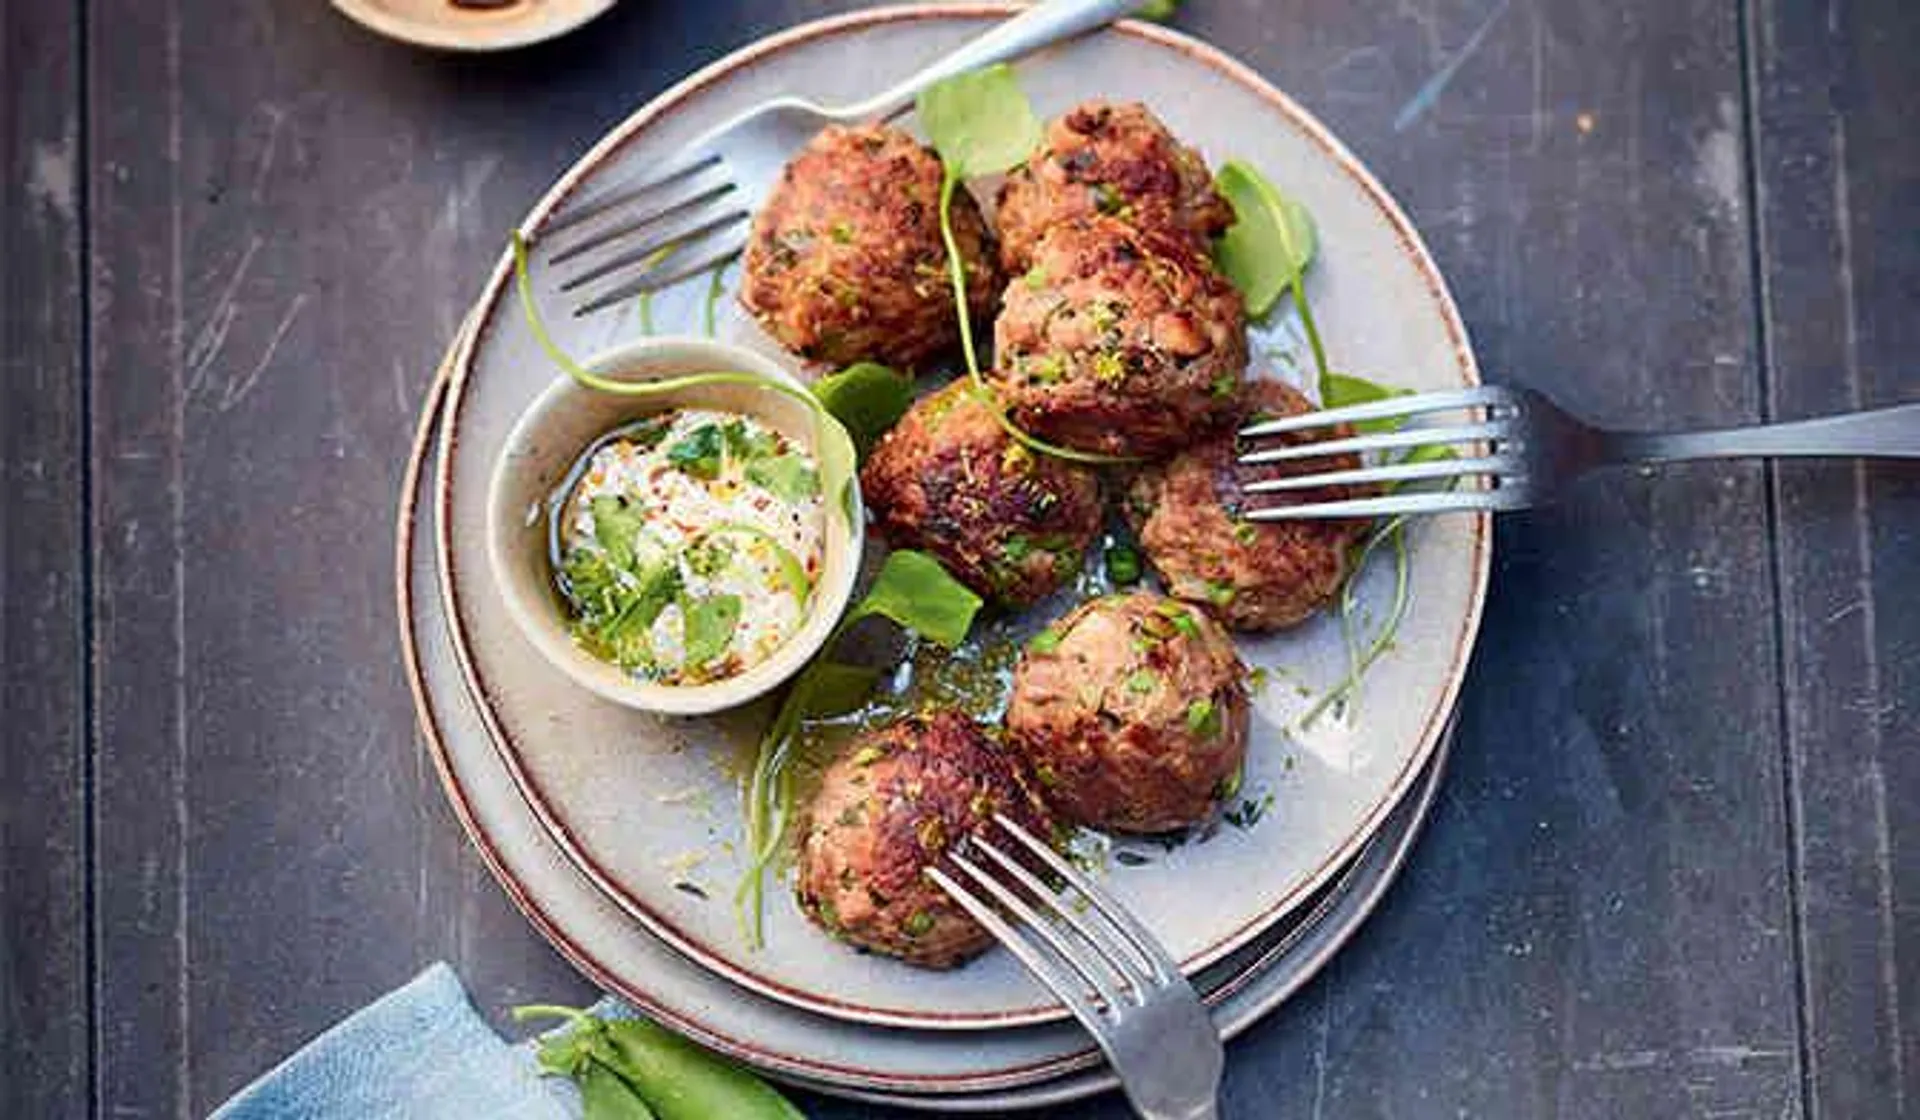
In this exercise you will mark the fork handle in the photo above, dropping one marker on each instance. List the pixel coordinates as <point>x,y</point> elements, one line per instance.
<point>1042,25</point>
<point>1876,433</point>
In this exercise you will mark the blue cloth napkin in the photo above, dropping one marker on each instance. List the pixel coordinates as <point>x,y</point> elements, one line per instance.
<point>420,1053</point>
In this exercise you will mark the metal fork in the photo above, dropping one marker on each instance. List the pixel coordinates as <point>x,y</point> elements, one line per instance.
<point>692,214</point>
<point>1516,449</point>
<point>1104,965</point>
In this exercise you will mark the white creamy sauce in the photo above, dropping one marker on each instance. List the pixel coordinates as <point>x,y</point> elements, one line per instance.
<point>734,508</point>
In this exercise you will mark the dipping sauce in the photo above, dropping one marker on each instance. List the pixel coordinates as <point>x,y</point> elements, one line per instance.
<point>687,545</point>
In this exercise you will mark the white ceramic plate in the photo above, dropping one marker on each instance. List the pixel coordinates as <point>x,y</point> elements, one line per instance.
<point>979,1072</point>
<point>631,799</point>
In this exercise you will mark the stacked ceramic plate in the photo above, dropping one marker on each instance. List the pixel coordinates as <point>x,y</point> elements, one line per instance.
<point>617,833</point>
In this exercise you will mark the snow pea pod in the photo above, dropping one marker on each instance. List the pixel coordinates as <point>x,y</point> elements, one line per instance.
<point>685,1082</point>
<point>632,1069</point>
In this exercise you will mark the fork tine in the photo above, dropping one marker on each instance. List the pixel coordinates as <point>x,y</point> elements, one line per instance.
<point>1135,972</point>
<point>650,248</point>
<point>1381,441</point>
<point>1442,501</point>
<point>1056,978</point>
<point>665,276</point>
<point>1391,472</point>
<point>690,163</point>
<point>1393,408</point>
<point>1136,934</point>
<point>647,220</point>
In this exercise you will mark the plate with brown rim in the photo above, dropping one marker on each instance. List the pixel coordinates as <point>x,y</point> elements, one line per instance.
<point>990,1073</point>
<point>647,807</point>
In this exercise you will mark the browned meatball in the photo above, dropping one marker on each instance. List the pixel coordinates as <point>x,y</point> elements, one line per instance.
<point>1119,341</point>
<point>1256,575</point>
<point>1102,158</point>
<point>1133,712</point>
<point>888,809</point>
<point>846,263</point>
<point>950,481</point>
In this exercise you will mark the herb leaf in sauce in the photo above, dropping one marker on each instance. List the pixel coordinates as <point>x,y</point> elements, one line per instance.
<point>710,624</point>
<point>699,452</point>
<point>787,477</point>
<point>615,529</point>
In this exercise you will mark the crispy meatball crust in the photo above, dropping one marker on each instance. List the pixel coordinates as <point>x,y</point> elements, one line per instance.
<point>845,262</point>
<point>1133,712</point>
<point>889,808</point>
<point>950,481</point>
<point>1255,575</point>
<point>1115,159</point>
<point>1119,341</point>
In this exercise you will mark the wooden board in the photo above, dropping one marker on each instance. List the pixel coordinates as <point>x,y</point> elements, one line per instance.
<point>1668,877</point>
<point>1839,182</point>
<point>45,1010</point>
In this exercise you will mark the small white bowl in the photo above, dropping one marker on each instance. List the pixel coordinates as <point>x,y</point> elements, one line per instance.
<point>443,26</point>
<point>548,440</point>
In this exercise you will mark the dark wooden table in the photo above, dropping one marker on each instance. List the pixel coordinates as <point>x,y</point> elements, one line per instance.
<point>1677,867</point>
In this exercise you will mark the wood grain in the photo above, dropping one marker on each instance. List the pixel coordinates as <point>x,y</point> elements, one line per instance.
<point>1598,924</point>
<point>45,1018</point>
<point>1839,179</point>
<point>1668,876</point>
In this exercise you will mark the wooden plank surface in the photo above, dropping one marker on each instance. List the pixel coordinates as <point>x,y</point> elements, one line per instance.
<point>44,1007</point>
<point>288,216</point>
<point>1839,182</point>
<point>1598,923</point>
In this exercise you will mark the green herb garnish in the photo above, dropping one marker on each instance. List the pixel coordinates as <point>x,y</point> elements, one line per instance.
<point>710,306</point>
<point>982,124</point>
<point>1270,242</point>
<point>787,477</point>
<point>710,624</point>
<point>1123,564</point>
<point>868,398</point>
<point>1268,248</point>
<point>699,452</point>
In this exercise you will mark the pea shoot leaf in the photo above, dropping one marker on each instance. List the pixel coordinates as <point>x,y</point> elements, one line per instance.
<point>837,688</point>
<point>867,398</point>
<point>980,122</point>
<point>916,593</point>
<point>1338,390</point>
<point>1159,10</point>
<point>1271,242</point>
